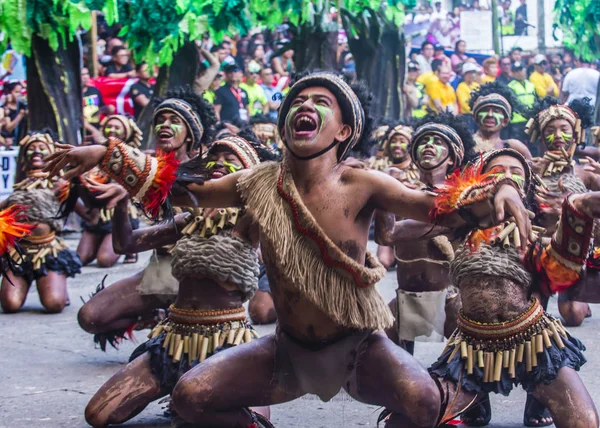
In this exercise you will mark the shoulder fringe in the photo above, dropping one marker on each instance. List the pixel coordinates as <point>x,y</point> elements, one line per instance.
<point>300,262</point>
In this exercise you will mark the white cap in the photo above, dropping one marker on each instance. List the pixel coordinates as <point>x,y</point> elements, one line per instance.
<point>468,67</point>
<point>539,58</point>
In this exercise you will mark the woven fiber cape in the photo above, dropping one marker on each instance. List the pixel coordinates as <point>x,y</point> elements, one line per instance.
<point>307,260</point>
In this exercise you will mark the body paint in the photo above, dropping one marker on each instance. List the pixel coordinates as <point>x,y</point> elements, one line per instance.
<point>498,116</point>
<point>231,166</point>
<point>176,129</point>
<point>566,137</point>
<point>550,139</point>
<point>289,117</point>
<point>325,114</point>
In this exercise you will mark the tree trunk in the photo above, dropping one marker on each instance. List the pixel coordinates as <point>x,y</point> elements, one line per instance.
<point>386,77</point>
<point>318,52</point>
<point>54,90</point>
<point>182,71</point>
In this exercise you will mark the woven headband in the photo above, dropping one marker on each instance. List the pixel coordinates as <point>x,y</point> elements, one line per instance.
<point>495,100</point>
<point>535,125</point>
<point>352,111</point>
<point>242,149</point>
<point>449,135</point>
<point>40,137</point>
<point>186,113</point>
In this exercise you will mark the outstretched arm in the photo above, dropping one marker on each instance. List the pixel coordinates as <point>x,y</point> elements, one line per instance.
<point>147,179</point>
<point>389,232</point>
<point>502,202</point>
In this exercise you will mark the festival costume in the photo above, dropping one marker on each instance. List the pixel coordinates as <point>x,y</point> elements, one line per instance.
<point>422,315</point>
<point>306,258</point>
<point>481,103</point>
<point>41,253</point>
<point>208,249</point>
<point>532,347</point>
<point>382,161</point>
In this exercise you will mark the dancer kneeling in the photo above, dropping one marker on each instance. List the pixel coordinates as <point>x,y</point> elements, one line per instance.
<point>45,258</point>
<point>215,262</point>
<point>504,336</point>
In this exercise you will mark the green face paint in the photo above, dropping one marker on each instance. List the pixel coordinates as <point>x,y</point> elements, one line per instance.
<point>210,165</point>
<point>550,140</point>
<point>176,129</point>
<point>106,131</point>
<point>498,116</point>
<point>232,167</point>
<point>289,117</point>
<point>566,137</point>
<point>157,128</point>
<point>325,114</point>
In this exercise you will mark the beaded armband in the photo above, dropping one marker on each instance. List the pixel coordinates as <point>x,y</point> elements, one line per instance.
<point>147,179</point>
<point>463,189</point>
<point>565,258</point>
<point>207,226</point>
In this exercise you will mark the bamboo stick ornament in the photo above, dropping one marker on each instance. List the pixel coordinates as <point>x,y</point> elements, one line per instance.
<point>204,350</point>
<point>505,232</point>
<point>556,336</point>
<point>233,218</point>
<point>194,350</point>
<point>520,352</point>
<point>552,156</point>
<point>239,336</point>
<point>506,242</point>
<point>216,338</point>
<point>539,343</point>
<point>480,362</point>
<point>199,349</point>
<point>254,334</point>
<point>157,330</point>
<point>528,363</point>
<point>533,355</point>
<point>222,338</point>
<point>564,152</point>
<point>512,369</point>
<point>498,366</point>
<point>178,352</point>
<point>486,365</point>
<point>517,238</point>
<point>492,366</point>
<point>247,336</point>
<point>470,359</point>
<point>186,345</point>
<point>231,336</point>
<point>210,344</point>
<point>505,359</point>
<point>463,350</point>
<point>546,338</point>
<point>167,340</point>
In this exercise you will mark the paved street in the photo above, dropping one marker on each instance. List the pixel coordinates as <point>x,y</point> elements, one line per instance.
<point>49,369</point>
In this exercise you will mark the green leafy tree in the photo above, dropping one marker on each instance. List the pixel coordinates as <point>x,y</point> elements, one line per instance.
<point>376,40</point>
<point>45,31</point>
<point>164,32</point>
<point>579,21</point>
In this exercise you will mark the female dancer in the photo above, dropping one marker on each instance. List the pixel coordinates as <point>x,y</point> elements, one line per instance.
<point>216,265</point>
<point>504,336</point>
<point>182,121</point>
<point>45,258</point>
<point>96,237</point>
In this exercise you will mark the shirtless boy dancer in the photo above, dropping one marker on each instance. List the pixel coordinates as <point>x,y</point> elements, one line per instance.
<point>313,213</point>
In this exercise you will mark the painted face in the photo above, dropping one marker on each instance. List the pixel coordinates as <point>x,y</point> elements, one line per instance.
<point>507,165</point>
<point>432,151</point>
<point>558,134</point>
<point>170,131</point>
<point>222,162</point>
<point>114,128</point>
<point>397,149</point>
<point>35,154</point>
<point>314,121</point>
<point>491,119</point>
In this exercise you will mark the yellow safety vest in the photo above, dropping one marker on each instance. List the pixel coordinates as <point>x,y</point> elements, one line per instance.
<point>525,92</point>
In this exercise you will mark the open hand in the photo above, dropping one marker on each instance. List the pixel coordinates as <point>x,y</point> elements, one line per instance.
<point>81,159</point>
<point>112,192</point>
<point>592,165</point>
